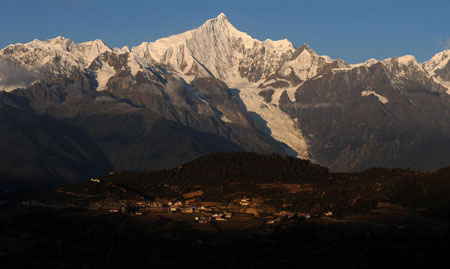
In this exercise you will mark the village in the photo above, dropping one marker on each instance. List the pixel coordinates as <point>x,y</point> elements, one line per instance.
<point>246,211</point>
<point>203,212</point>
<point>206,212</point>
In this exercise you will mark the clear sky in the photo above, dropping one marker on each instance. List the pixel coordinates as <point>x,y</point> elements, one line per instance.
<point>354,30</point>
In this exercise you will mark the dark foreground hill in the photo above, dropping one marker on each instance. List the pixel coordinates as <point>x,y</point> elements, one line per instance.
<point>281,183</point>
<point>381,217</point>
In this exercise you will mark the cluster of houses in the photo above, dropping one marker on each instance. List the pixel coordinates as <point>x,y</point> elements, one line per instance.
<point>272,221</point>
<point>127,210</point>
<point>137,208</point>
<point>225,216</point>
<point>203,219</point>
<point>222,216</point>
<point>202,213</point>
<point>210,213</point>
<point>182,207</point>
<point>244,202</point>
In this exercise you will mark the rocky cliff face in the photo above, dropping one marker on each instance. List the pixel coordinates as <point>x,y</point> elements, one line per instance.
<point>384,114</point>
<point>214,89</point>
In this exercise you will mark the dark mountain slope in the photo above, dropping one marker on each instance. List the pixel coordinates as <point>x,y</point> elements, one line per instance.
<point>125,136</point>
<point>351,128</point>
<point>40,151</point>
<point>132,143</point>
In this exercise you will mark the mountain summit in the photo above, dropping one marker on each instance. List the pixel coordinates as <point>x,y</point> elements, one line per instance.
<point>216,48</point>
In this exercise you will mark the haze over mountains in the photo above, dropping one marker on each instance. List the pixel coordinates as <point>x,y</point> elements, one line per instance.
<point>71,111</point>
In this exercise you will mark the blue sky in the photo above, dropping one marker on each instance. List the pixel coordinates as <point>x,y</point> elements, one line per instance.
<point>352,30</point>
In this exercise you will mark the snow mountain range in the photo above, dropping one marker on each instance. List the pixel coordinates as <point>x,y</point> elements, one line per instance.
<point>213,89</point>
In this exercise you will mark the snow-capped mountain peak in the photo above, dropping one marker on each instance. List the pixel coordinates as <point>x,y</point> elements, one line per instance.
<point>405,60</point>
<point>305,48</point>
<point>59,54</point>
<point>367,63</point>
<point>437,62</point>
<point>216,48</point>
<point>220,20</point>
<point>393,63</point>
<point>58,43</point>
<point>439,68</point>
<point>222,16</point>
<point>86,49</point>
<point>304,64</point>
<point>403,67</point>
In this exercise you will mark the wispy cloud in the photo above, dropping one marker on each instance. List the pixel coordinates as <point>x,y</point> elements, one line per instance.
<point>12,76</point>
<point>444,43</point>
<point>105,99</point>
<point>317,105</point>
